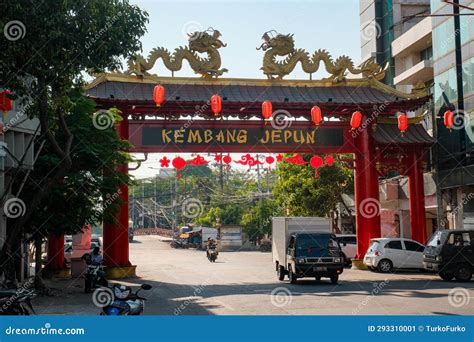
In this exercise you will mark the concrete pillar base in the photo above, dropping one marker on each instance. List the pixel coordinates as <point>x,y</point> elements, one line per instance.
<point>121,272</point>
<point>358,264</point>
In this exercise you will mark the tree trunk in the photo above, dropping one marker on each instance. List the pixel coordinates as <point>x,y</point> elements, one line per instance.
<point>38,253</point>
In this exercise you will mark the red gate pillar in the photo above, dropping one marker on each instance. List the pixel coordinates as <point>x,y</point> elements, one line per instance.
<point>55,265</point>
<point>116,256</point>
<point>417,197</point>
<point>366,184</point>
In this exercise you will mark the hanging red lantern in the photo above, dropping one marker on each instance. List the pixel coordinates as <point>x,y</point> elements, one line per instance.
<point>178,164</point>
<point>449,119</point>
<point>267,110</point>
<point>269,160</point>
<point>356,120</point>
<point>402,122</point>
<point>316,162</point>
<point>329,160</point>
<point>159,95</point>
<point>227,159</point>
<point>216,104</point>
<point>316,115</point>
<point>6,104</point>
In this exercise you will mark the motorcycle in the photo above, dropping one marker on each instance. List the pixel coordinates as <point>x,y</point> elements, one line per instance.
<point>95,275</point>
<point>16,302</point>
<point>124,302</point>
<point>212,254</point>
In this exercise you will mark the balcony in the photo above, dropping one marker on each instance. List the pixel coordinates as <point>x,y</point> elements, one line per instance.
<point>420,72</point>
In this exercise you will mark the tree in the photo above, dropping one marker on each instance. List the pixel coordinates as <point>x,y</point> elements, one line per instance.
<point>257,221</point>
<point>302,194</point>
<point>50,45</point>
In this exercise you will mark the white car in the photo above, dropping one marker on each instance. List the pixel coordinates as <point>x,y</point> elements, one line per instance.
<point>348,243</point>
<point>385,254</point>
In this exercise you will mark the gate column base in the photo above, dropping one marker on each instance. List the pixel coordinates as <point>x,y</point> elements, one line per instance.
<point>121,272</point>
<point>358,264</point>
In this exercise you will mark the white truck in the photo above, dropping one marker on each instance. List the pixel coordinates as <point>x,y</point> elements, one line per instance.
<point>305,247</point>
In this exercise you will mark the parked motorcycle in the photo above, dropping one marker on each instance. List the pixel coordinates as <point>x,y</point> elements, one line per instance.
<point>212,254</point>
<point>16,302</point>
<point>95,275</point>
<point>124,302</point>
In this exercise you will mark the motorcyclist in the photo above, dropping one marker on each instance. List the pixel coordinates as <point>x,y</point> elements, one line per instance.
<point>211,244</point>
<point>96,257</point>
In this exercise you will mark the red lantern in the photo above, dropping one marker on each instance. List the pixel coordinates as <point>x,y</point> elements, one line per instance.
<point>159,95</point>
<point>216,104</point>
<point>316,162</point>
<point>6,104</point>
<point>269,160</point>
<point>402,122</point>
<point>449,119</point>
<point>227,159</point>
<point>329,160</point>
<point>356,120</point>
<point>316,115</point>
<point>267,110</point>
<point>178,164</point>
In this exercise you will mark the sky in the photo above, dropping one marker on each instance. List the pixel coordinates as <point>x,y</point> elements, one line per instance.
<point>319,24</point>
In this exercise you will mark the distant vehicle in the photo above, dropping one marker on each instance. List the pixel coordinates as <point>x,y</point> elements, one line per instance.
<point>450,253</point>
<point>212,254</point>
<point>131,231</point>
<point>304,247</point>
<point>348,244</point>
<point>386,254</point>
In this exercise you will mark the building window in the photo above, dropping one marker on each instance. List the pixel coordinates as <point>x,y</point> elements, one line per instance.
<point>426,54</point>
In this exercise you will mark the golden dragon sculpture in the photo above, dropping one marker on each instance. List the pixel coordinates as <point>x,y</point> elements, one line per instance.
<point>198,42</point>
<point>280,45</point>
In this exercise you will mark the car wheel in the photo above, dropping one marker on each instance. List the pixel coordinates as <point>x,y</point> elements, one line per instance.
<point>334,278</point>
<point>291,275</point>
<point>446,275</point>
<point>281,273</point>
<point>385,266</point>
<point>463,273</point>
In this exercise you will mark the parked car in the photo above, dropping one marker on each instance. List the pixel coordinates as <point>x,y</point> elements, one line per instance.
<point>348,244</point>
<point>450,253</point>
<point>385,254</point>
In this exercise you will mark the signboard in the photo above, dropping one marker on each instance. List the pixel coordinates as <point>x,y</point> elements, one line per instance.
<point>235,136</point>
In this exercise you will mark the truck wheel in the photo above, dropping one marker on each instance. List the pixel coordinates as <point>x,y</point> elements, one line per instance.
<point>291,275</point>
<point>446,276</point>
<point>463,273</point>
<point>334,278</point>
<point>385,266</point>
<point>318,278</point>
<point>281,273</point>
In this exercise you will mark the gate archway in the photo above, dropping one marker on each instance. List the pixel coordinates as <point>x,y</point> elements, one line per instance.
<point>185,123</point>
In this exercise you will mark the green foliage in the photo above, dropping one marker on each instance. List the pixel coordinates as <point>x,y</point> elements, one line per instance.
<point>305,195</point>
<point>83,193</point>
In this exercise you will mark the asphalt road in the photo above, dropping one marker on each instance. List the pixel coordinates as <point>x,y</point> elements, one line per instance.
<point>245,283</point>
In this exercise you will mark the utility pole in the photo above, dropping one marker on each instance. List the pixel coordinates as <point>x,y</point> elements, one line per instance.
<point>155,202</point>
<point>221,180</point>
<point>143,203</point>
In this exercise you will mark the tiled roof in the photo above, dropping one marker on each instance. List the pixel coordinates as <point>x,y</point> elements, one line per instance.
<point>389,134</point>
